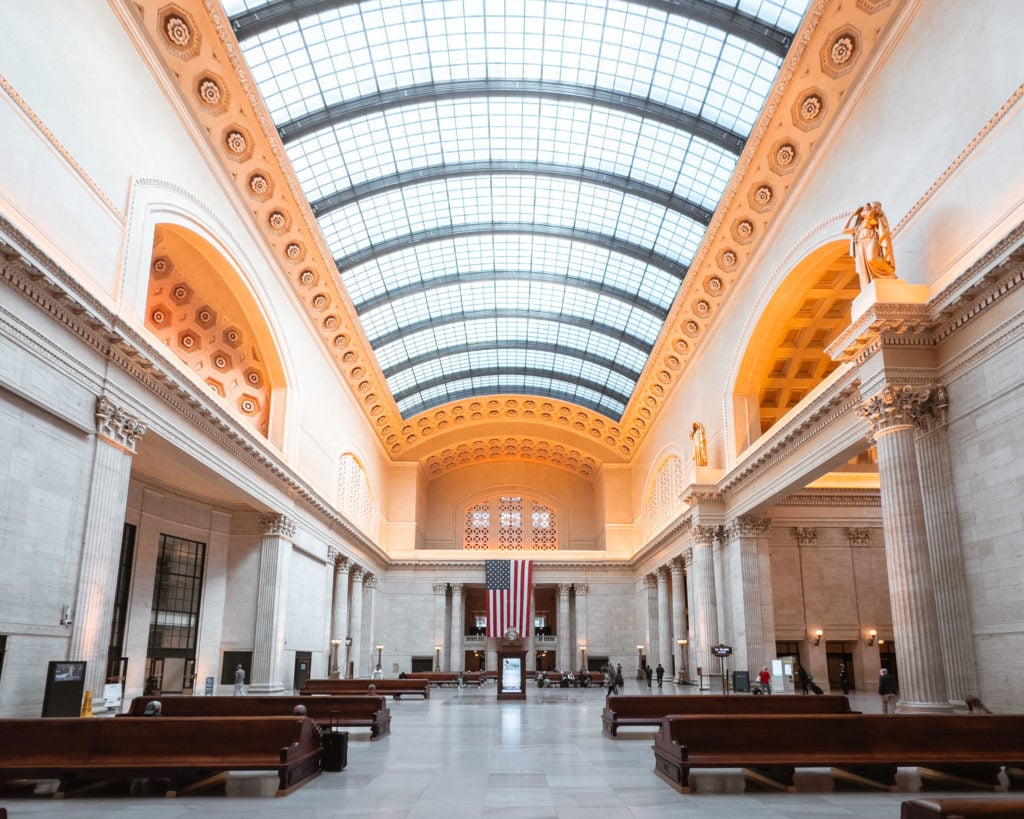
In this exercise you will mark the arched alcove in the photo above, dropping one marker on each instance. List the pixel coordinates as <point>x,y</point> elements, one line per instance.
<point>785,354</point>
<point>200,308</point>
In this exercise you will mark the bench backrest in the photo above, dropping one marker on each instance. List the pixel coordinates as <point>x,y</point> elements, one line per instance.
<point>151,741</point>
<point>361,686</point>
<point>322,709</point>
<point>911,736</point>
<point>632,706</point>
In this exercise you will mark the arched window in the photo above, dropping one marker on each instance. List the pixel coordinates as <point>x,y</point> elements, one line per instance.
<point>663,502</point>
<point>355,500</point>
<point>510,522</point>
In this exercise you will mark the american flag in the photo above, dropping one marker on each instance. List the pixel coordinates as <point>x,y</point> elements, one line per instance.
<point>508,596</point>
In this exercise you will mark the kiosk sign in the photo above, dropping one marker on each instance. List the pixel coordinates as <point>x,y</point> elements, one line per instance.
<point>721,650</point>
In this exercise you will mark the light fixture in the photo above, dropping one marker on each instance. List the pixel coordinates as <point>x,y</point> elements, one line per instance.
<point>379,650</point>
<point>348,645</point>
<point>335,651</point>
<point>437,658</point>
<point>871,637</point>
<point>640,655</point>
<point>817,636</point>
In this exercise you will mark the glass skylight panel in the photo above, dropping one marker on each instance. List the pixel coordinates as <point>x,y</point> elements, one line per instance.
<point>563,60</point>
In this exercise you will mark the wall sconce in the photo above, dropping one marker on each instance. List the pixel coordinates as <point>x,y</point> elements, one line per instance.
<point>871,637</point>
<point>817,636</point>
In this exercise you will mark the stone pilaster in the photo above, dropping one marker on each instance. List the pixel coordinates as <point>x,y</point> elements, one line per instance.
<point>356,622</point>
<point>945,548</point>
<point>665,623</point>
<point>749,650</point>
<point>458,652</point>
<point>339,613</point>
<point>679,630</point>
<point>565,650</point>
<point>922,680</point>
<point>704,612</point>
<point>117,433</point>
<point>440,590</point>
<point>650,582</point>
<point>580,590</point>
<point>272,605</point>
<point>370,596</point>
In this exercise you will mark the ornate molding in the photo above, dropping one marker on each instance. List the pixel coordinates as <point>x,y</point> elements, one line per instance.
<point>704,535</point>
<point>117,425</point>
<point>564,589</point>
<point>745,526</point>
<point>677,565</point>
<point>581,589</point>
<point>359,575</point>
<point>370,581</point>
<point>932,409</point>
<point>894,408</point>
<point>440,588</point>
<point>858,537</point>
<point>276,525</point>
<point>457,587</point>
<point>650,581</point>
<point>342,565</point>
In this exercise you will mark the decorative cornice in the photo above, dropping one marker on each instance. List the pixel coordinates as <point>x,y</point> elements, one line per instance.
<point>697,494</point>
<point>884,325</point>
<point>834,498</point>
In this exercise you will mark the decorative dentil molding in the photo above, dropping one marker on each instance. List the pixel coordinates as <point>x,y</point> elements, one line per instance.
<point>117,425</point>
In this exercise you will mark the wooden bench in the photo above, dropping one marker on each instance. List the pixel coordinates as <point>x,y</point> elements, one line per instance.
<point>447,677</point>
<point>646,709</point>
<point>989,807</point>
<point>967,750</point>
<point>186,751</point>
<point>393,688</point>
<point>348,711</point>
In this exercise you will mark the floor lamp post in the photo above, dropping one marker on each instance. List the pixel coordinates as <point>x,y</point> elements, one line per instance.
<point>684,671</point>
<point>348,665</point>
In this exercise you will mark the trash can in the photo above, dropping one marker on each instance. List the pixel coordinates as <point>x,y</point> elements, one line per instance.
<point>740,680</point>
<point>335,751</point>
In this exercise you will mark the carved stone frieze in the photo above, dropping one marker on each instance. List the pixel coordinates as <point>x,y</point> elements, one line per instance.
<point>117,425</point>
<point>884,325</point>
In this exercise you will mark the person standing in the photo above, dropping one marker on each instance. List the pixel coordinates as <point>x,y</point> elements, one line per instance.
<point>660,674</point>
<point>844,678</point>
<point>888,690</point>
<point>239,681</point>
<point>648,674</point>
<point>765,680</point>
<point>803,679</point>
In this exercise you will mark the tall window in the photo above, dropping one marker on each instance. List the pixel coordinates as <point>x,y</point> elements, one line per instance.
<point>119,617</point>
<point>355,500</point>
<point>510,522</point>
<point>174,621</point>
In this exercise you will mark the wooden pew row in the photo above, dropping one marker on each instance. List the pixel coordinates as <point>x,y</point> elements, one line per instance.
<point>967,750</point>
<point>394,688</point>
<point>989,807</point>
<point>447,677</point>
<point>650,709</point>
<point>185,751</point>
<point>347,711</point>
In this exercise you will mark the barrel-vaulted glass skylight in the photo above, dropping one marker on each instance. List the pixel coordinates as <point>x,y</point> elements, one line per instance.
<point>513,190</point>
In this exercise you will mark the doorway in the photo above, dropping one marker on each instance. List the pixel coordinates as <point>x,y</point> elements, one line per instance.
<point>840,653</point>
<point>303,661</point>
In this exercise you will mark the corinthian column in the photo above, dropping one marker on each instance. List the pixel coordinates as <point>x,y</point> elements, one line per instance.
<point>565,652</point>
<point>458,653</point>
<point>271,605</point>
<point>748,628</point>
<point>581,590</point>
<point>117,434</point>
<point>665,623</point>
<point>679,631</point>
<point>339,614</point>
<point>705,610</point>
<point>944,545</point>
<point>922,679</point>
<point>440,589</point>
<point>356,621</point>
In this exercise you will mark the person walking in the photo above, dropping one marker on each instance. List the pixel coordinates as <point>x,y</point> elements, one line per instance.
<point>609,682</point>
<point>648,674</point>
<point>888,690</point>
<point>844,678</point>
<point>239,681</point>
<point>659,672</point>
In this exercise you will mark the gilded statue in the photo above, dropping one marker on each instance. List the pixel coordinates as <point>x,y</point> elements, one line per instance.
<point>700,444</point>
<point>871,244</point>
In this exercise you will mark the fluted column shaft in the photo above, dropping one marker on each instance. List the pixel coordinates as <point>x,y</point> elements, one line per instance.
<point>911,587</point>
<point>339,609</point>
<point>370,596</point>
<point>665,622</point>
<point>117,433</point>
<point>581,590</point>
<point>705,611</point>
<point>691,616</point>
<point>951,602</point>
<point>271,605</point>
<point>748,632</point>
<point>356,622</point>
<point>678,617</point>
<point>565,652</point>
<point>440,590</point>
<point>458,657</point>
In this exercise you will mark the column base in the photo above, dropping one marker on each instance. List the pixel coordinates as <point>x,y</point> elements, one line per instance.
<point>912,707</point>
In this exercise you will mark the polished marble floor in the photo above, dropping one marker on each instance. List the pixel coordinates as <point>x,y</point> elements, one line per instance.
<point>463,754</point>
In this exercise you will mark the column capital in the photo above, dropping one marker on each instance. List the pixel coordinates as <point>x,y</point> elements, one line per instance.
<point>359,574</point>
<point>370,580</point>
<point>277,525</point>
<point>650,581</point>
<point>859,537</point>
<point>744,526</point>
<point>457,587</point>
<point>805,536</point>
<point>563,589</point>
<point>895,407</point>
<point>704,535</point>
<point>440,588</point>
<point>931,409</point>
<point>581,588</point>
<point>687,558</point>
<point>342,565</point>
<point>662,573</point>
<point>677,565</point>
<point>117,426</point>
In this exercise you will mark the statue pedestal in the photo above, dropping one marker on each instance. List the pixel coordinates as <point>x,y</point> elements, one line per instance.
<point>887,291</point>
<point>706,475</point>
